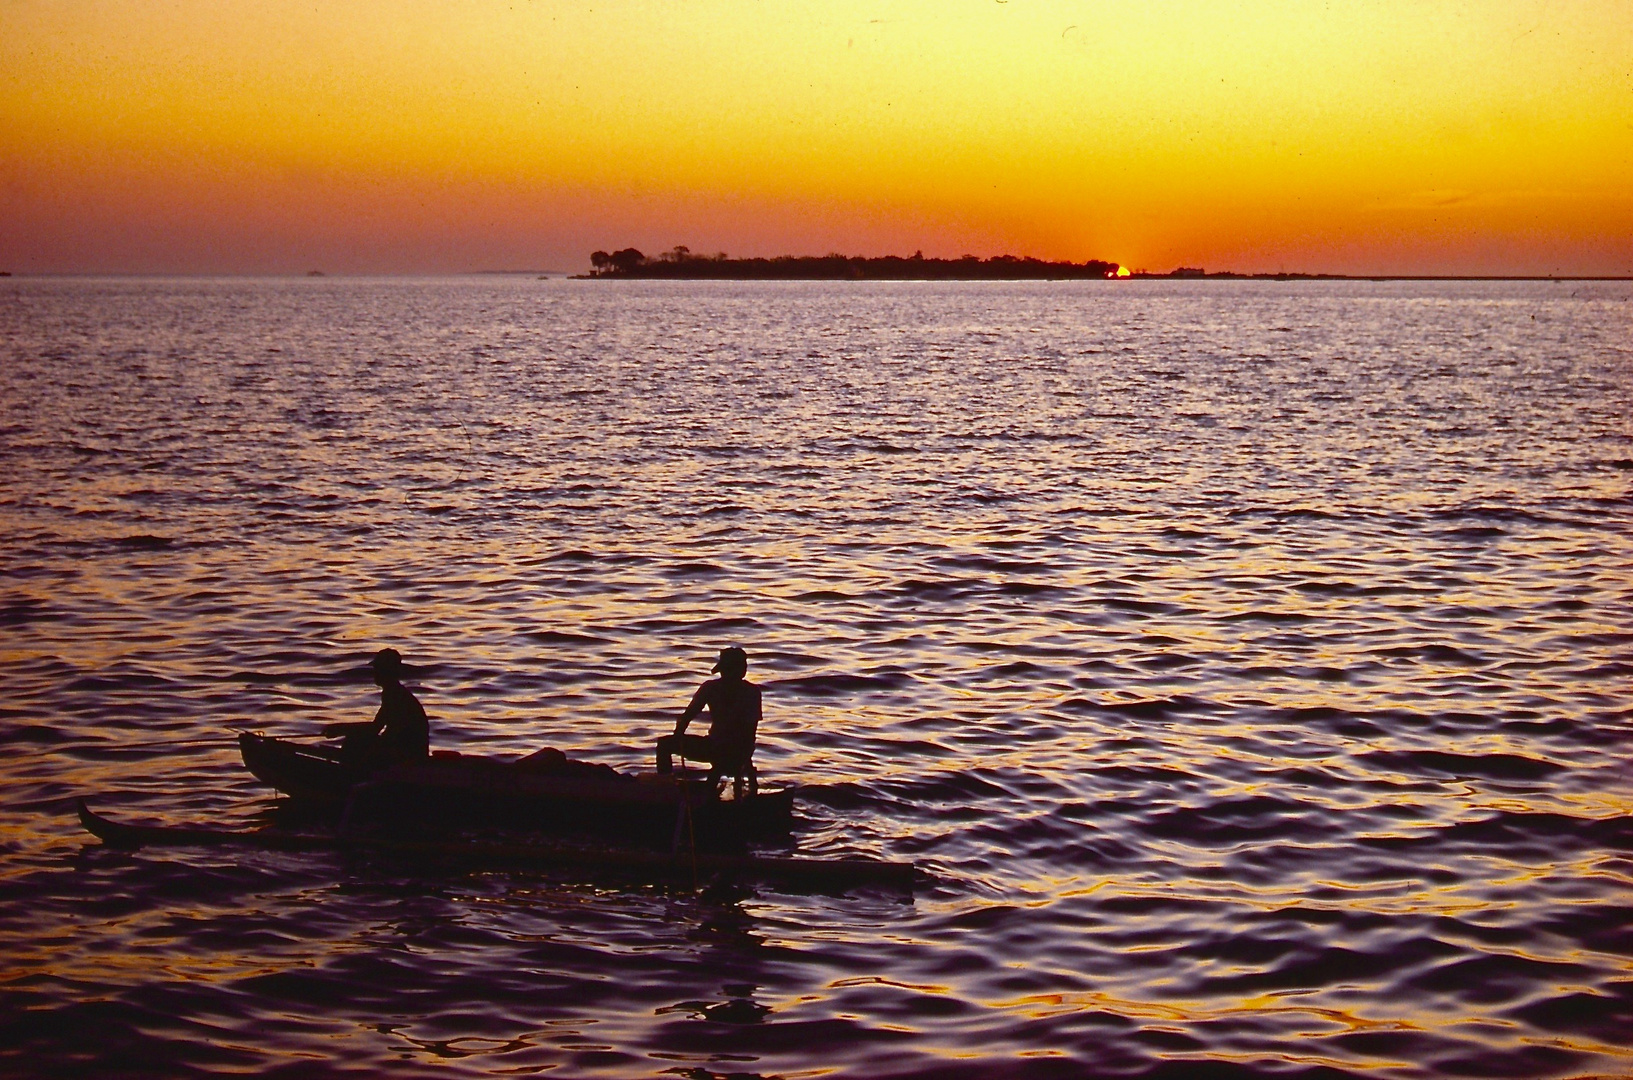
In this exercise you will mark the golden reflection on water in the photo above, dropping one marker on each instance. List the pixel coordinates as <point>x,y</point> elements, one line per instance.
<point>1216,682</point>
<point>1043,1006</point>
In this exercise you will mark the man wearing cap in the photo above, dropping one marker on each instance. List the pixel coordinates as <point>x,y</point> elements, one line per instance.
<point>734,717</point>
<point>398,732</point>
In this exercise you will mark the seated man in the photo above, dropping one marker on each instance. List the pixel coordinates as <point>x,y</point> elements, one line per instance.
<point>399,731</point>
<point>734,718</point>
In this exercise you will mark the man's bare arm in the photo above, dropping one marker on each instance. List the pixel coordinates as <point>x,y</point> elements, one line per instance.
<point>698,701</point>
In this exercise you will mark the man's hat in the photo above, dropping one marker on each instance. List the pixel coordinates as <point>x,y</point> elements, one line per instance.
<point>387,660</point>
<point>733,657</point>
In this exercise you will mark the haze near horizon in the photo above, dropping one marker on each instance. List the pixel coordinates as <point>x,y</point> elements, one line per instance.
<point>1391,138</point>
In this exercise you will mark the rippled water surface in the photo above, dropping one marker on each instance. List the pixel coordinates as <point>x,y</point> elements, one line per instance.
<point>1248,663</point>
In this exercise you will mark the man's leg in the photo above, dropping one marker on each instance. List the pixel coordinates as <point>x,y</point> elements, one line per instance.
<point>696,747</point>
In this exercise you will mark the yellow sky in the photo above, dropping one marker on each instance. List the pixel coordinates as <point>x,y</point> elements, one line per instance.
<point>1411,137</point>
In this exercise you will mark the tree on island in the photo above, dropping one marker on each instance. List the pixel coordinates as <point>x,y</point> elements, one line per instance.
<point>619,262</point>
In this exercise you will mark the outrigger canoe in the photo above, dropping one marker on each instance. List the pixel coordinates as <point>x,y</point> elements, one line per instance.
<point>810,873</point>
<point>458,790</point>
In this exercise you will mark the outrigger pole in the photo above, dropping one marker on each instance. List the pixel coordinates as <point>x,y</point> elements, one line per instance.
<point>809,873</point>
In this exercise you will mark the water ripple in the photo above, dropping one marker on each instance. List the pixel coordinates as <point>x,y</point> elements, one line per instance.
<point>1245,663</point>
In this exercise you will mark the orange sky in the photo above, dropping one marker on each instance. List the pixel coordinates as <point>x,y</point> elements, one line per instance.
<point>446,135</point>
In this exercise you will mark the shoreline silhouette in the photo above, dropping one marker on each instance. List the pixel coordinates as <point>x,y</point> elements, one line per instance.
<point>682,263</point>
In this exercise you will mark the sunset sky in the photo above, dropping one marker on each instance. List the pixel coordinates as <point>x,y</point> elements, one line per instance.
<point>450,135</point>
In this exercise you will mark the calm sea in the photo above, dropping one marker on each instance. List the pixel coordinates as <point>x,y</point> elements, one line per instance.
<point>1248,663</point>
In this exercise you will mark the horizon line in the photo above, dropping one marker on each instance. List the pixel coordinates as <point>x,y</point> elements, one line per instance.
<point>1136,275</point>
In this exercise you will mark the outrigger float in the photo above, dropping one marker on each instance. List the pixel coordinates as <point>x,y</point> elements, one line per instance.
<point>811,873</point>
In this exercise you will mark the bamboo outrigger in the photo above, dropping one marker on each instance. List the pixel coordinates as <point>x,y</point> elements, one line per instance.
<point>809,873</point>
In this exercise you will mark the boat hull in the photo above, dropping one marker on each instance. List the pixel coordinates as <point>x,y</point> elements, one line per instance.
<point>309,774</point>
<point>462,791</point>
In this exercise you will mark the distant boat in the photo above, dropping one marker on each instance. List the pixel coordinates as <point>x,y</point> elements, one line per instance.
<point>314,273</point>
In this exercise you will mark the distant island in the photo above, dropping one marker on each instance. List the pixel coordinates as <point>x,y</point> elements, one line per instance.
<point>681,262</point>
<point>1198,272</point>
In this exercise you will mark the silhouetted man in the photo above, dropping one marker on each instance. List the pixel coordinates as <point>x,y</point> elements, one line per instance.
<point>399,731</point>
<point>734,717</point>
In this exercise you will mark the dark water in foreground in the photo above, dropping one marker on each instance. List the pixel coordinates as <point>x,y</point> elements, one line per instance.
<point>1247,662</point>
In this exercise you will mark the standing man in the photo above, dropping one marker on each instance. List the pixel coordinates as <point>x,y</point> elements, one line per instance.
<point>399,731</point>
<point>734,718</point>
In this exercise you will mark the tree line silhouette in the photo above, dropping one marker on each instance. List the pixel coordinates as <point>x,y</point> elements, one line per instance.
<point>682,262</point>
